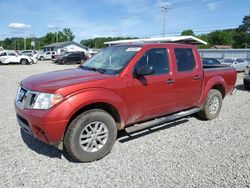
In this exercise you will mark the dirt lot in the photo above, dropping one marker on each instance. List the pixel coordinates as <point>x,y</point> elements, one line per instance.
<point>185,153</point>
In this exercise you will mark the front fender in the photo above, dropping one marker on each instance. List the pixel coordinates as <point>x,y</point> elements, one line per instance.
<point>217,80</point>
<point>98,95</point>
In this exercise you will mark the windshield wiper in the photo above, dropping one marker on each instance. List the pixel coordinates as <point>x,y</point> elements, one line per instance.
<point>100,70</point>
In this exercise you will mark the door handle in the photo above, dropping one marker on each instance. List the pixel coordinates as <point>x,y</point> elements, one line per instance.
<point>170,81</point>
<point>196,77</point>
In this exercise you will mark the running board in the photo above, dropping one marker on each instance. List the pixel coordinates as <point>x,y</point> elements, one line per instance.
<point>158,121</point>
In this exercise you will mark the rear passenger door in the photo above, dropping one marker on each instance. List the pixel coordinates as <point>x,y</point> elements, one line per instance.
<point>188,78</point>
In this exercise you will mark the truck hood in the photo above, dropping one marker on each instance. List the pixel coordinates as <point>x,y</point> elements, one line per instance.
<point>53,81</point>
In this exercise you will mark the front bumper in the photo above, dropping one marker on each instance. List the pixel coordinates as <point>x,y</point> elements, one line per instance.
<point>46,125</point>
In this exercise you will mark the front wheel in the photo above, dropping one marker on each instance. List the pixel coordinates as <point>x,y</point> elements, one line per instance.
<point>90,136</point>
<point>212,106</point>
<point>24,61</point>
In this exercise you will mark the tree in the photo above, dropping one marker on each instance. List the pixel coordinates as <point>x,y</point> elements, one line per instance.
<point>188,32</point>
<point>245,26</point>
<point>99,41</point>
<point>49,38</point>
<point>242,35</point>
<point>69,34</point>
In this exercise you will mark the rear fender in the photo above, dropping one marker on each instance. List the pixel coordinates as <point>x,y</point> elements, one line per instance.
<point>214,81</point>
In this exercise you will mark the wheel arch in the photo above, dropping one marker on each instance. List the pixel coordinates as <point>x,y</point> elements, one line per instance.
<point>217,83</point>
<point>220,88</point>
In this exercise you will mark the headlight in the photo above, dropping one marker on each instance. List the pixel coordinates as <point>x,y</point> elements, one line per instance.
<point>46,100</point>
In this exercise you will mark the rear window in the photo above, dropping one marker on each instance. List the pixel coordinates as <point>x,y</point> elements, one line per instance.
<point>184,59</point>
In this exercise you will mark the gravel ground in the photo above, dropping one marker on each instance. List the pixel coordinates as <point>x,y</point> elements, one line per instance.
<point>186,153</point>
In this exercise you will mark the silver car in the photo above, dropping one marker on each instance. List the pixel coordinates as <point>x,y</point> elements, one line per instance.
<point>238,63</point>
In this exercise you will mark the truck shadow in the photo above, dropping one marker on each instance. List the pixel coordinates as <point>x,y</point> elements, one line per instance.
<point>40,147</point>
<point>123,136</point>
<point>52,152</point>
<point>241,87</point>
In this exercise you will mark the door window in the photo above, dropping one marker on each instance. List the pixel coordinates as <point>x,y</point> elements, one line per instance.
<point>3,54</point>
<point>157,58</point>
<point>239,61</point>
<point>184,59</point>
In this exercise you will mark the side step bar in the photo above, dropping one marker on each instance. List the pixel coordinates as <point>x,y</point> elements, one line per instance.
<point>158,121</point>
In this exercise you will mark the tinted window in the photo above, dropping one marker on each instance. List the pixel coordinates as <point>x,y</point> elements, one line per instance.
<point>239,61</point>
<point>184,59</point>
<point>210,62</point>
<point>12,54</point>
<point>157,58</point>
<point>3,54</point>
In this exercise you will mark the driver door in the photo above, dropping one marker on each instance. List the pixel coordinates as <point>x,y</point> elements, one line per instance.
<point>152,95</point>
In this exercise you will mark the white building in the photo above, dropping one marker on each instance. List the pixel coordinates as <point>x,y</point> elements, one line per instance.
<point>62,47</point>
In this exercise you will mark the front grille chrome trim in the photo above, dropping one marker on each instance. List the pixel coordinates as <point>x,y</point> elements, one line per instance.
<point>26,99</point>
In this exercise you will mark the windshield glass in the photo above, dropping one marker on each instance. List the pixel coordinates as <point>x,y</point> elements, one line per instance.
<point>112,59</point>
<point>228,61</point>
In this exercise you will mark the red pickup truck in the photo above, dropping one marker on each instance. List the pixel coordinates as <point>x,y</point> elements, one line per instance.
<point>129,87</point>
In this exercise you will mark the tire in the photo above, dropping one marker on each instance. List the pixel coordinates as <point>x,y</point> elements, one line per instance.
<point>210,112</point>
<point>83,125</point>
<point>42,58</point>
<point>24,61</point>
<point>246,87</point>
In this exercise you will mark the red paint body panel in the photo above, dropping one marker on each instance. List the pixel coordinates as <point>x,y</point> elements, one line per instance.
<point>135,99</point>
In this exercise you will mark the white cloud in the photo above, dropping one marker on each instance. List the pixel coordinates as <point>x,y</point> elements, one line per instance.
<point>51,26</point>
<point>212,6</point>
<point>19,26</point>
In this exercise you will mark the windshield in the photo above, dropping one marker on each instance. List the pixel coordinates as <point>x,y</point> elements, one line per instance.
<point>228,61</point>
<point>112,59</point>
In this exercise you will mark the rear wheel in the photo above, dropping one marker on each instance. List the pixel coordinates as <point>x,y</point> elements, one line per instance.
<point>41,58</point>
<point>90,136</point>
<point>212,106</point>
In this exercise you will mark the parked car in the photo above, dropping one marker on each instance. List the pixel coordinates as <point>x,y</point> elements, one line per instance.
<point>46,55</point>
<point>238,63</point>
<point>210,61</point>
<point>129,87</point>
<point>31,53</point>
<point>72,57</point>
<point>246,80</point>
<point>8,57</point>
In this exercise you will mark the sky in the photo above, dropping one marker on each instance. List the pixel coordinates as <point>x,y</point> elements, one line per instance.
<point>103,18</point>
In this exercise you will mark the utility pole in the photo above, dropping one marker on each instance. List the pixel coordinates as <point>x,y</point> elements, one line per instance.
<point>57,31</point>
<point>24,43</point>
<point>165,9</point>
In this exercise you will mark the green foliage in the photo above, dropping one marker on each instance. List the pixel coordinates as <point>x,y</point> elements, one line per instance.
<point>245,26</point>
<point>99,41</point>
<point>188,32</point>
<point>69,34</point>
<point>51,37</point>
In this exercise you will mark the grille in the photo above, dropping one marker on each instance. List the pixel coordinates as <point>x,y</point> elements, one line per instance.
<point>25,98</point>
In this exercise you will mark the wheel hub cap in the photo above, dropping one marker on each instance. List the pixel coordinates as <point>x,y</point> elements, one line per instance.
<point>93,137</point>
<point>214,105</point>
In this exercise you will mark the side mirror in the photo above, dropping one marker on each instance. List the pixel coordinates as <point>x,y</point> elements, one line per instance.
<point>144,71</point>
